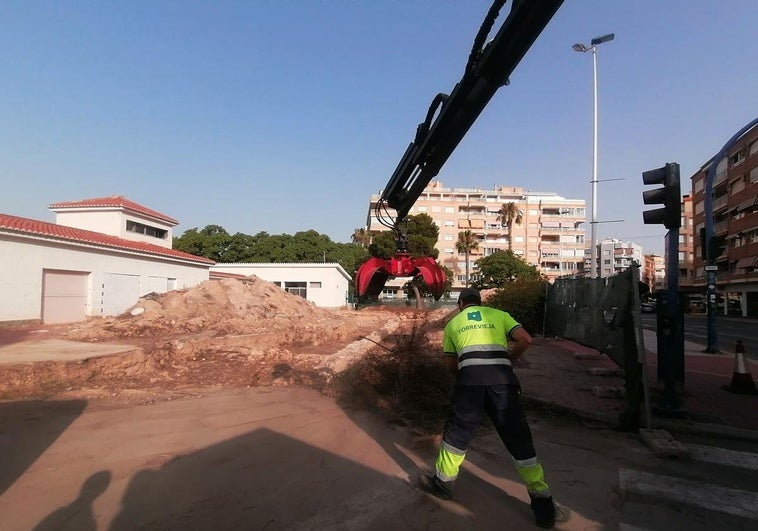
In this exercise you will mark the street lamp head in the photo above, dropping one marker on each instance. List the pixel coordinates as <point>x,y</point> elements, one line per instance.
<point>578,47</point>
<point>601,40</point>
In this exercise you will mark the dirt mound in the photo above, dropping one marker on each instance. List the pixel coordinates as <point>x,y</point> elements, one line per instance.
<point>247,333</point>
<point>214,307</point>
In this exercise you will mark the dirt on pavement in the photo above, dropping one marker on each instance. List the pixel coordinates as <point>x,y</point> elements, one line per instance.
<point>244,333</point>
<point>238,394</point>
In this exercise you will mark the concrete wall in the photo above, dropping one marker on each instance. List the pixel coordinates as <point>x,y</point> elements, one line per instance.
<point>334,280</point>
<point>114,223</point>
<point>24,259</point>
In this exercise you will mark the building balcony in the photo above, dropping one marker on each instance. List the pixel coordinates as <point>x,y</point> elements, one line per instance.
<point>720,203</point>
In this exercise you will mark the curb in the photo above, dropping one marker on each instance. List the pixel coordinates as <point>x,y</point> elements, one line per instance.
<point>672,425</point>
<point>713,430</point>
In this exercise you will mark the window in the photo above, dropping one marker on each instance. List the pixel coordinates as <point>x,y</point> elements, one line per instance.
<point>314,284</point>
<point>448,237</point>
<point>449,210</point>
<point>296,288</point>
<point>139,228</point>
<point>754,175</point>
<point>737,158</point>
<point>422,209</point>
<point>449,223</point>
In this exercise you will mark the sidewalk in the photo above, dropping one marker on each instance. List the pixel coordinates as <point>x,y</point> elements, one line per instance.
<point>556,373</point>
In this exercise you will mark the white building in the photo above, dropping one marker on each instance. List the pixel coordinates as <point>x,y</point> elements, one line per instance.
<point>325,285</point>
<point>99,257</point>
<point>615,256</point>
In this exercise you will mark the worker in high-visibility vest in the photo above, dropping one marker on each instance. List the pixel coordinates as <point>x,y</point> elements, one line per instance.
<point>479,344</point>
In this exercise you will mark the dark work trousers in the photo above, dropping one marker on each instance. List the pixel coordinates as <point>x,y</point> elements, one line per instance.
<point>499,402</point>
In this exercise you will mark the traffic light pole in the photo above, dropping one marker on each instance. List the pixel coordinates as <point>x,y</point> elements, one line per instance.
<point>670,329</point>
<point>670,333</point>
<point>710,261</point>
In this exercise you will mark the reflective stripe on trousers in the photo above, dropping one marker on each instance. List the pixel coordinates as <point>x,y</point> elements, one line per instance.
<point>532,474</point>
<point>449,462</point>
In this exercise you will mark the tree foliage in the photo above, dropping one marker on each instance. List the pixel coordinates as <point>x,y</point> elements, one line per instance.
<point>466,243</point>
<point>508,215</point>
<point>309,246</point>
<point>501,268</point>
<point>524,299</point>
<point>421,234</point>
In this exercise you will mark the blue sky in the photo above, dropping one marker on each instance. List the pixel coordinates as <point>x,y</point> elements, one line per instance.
<point>282,116</point>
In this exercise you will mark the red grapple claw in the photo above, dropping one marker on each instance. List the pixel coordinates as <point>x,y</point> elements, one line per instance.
<point>372,274</point>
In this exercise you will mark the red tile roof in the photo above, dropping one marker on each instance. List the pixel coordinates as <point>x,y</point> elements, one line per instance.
<point>52,231</point>
<point>217,275</point>
<point>114,201</point>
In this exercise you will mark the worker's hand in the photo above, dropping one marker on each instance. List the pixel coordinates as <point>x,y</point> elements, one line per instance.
<point>520,341</point>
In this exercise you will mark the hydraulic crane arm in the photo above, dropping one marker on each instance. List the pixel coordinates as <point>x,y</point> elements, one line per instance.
<point>489,67</point>
<point>447,121</point>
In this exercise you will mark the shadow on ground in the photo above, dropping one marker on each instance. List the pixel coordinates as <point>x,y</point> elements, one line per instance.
<point>27,429</point>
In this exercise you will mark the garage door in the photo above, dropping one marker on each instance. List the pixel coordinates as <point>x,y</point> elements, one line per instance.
<point>64,296</point>
<point>119,292</point>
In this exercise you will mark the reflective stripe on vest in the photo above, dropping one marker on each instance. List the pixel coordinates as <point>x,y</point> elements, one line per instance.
<point>483,355</point>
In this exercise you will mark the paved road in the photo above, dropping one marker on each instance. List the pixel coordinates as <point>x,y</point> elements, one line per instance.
<point>714,489</point>
<point>729,330</point>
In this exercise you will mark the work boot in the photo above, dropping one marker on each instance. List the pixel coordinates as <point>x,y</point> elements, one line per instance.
<point>547,513</point>
<point>435,486</point>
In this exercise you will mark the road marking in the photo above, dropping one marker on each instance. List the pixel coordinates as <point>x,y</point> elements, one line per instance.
<point>736,502</point>
<point>630,527</point>
<point>722,456</point>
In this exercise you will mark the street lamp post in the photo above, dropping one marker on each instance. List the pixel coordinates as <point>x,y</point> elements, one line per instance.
<point>593,223</point>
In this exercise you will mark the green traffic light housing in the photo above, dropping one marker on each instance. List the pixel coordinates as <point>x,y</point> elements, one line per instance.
<point>669,196</point>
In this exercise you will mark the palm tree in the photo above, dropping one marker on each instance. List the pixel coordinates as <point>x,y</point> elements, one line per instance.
<point>466,242</point>
<point>362,237</point>
<point>508,215</point>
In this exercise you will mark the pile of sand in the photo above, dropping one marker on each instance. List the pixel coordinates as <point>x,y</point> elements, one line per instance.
<point>214,307</point>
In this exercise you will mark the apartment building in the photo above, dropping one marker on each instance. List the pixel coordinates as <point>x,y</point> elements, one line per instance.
<point>735,217</point>
<point>687,243</point>
<point>654,272</point>
<point>550,235</point>
<point>614,256</point>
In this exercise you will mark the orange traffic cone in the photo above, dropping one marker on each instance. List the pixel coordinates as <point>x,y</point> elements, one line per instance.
<point>742,380</point>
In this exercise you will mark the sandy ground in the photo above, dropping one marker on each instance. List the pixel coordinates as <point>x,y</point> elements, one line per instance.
<point>244,407</point>
<point>273,459</point>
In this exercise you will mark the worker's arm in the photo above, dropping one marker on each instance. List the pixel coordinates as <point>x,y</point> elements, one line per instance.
<point>451,362</point>
<point>519,342</point>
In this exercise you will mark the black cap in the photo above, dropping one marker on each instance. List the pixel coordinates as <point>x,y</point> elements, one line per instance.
<point>470,295</point>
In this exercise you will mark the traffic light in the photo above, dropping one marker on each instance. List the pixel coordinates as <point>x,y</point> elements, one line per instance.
<point>670,196</point>
<point>714,248</point>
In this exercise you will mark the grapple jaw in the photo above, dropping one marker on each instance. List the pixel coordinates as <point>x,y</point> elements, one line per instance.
<point>373,274</point>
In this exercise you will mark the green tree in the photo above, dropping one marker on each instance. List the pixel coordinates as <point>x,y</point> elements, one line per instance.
<point>508,215</point>
<point>422,236</point>
<point>210,242</point>
<point>383,245</point>
<point>362,237</point>
<point>502,267</point>
<point>524,299</point>
<point>309,246</point>
<point>466,243</point>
